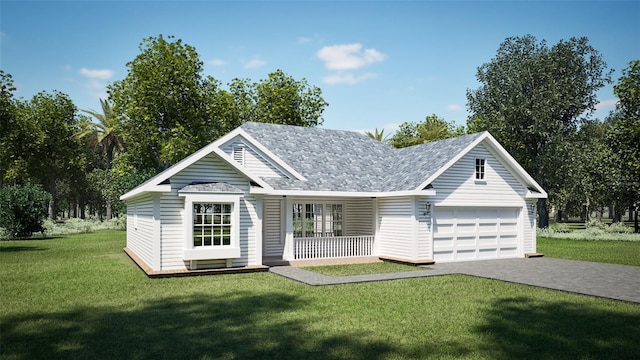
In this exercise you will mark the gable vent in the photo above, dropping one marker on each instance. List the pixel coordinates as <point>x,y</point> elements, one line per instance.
<point>238,154</point>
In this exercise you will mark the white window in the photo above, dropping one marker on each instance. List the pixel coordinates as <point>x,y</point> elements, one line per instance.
<point>317,220</point>
<point>212,223</point>
<point>480,169</point>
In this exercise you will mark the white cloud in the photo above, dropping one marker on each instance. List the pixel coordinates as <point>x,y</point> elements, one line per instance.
<point>218,62</point>
<point>255,63</point>
<point>347,78</point>
<point>348,56</point>
<point>607,104</point>
<point>102,74</point>
<point>454,107</point>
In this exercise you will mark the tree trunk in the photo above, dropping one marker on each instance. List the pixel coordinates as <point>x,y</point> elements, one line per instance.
<point>617,213</point>
<point>631,212</point>
<point>558,215</point>
<point>636,227</point>
<point>108,206</point>
<point>599,214</point>
<point>543,214</point>
<point>82,205</point>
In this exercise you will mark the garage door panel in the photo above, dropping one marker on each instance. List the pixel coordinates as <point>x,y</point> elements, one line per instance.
<point>487,253</point>
<point>475,233</point>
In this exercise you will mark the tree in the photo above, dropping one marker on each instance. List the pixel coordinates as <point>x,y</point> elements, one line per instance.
<point>531,99</point>
<point>103,134</point>
<point>55,152</point>
<point>624,136</point>
<point>433,128</point>
<point>280,99</point>
<point>161,103</point>
<point>378,135</point>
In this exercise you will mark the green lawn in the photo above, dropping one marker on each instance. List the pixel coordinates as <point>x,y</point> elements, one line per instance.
<point>606,251</point>
<point>361,269</point>
<point>80,297</point>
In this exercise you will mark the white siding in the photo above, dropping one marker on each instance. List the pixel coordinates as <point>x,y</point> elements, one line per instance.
<point>424,229</point>
<point>254,159</point>
<point>273,227</point>
<point>140,225</point>
<point>457,185</point>
<point>529,229</point>
<point>208,169</point>
<point>395,227</point>
<point>358,217</point>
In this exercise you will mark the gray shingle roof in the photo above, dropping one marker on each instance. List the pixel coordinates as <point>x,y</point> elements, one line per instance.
<point>217,187</point>
<point>338,160</point>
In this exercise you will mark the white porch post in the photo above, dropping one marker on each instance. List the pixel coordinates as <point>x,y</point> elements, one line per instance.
<point>288,239</point>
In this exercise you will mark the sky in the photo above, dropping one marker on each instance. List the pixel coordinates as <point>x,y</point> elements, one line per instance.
<point>378,63</point>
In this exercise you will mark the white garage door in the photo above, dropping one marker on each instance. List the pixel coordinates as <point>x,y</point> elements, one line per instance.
<point>466,233</point>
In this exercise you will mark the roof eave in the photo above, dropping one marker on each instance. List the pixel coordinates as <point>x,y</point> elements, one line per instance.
<point>369,194</point>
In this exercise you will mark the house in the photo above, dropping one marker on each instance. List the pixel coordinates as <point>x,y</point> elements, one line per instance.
<point>265,192</point>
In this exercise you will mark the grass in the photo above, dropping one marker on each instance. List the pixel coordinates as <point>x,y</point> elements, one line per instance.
<point>613,252</point>
<point>80,297</point>
<point>361,269</point>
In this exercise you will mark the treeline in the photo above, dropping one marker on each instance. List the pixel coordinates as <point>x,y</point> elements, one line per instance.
<point>163,110</point>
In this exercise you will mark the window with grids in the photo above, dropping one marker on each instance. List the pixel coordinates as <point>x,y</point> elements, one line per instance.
<point>212,224</point>
<point>317,220</point>
<point>479,169</point>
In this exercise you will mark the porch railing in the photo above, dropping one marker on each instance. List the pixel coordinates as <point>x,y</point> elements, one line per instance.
<point>332,247</point>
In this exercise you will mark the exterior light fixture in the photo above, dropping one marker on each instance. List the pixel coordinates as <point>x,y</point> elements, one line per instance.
<point>532,208</point>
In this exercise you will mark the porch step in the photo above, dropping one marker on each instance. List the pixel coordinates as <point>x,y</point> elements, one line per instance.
<point>533,255</point>
<point>407,261</point>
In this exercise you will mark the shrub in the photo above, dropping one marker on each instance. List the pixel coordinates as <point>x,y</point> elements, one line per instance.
<point>23,209</point>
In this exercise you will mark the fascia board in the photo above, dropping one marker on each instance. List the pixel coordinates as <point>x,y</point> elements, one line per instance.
<point>149,185</point>
<point>454,160</point>
<point>273,157</point>
<point>519,170</point>
<point>308,193</point>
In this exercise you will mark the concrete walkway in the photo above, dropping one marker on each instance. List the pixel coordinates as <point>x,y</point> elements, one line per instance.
<point>620,282</point>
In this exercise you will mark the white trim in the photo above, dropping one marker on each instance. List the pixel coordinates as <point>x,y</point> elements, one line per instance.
<point>214,252</point>
<point>271,155</point>
<point>493,143</point>
<point>352,194</point>
<point>154,184</point>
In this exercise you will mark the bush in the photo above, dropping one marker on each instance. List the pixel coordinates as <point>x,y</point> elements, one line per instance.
<point>23,209</point>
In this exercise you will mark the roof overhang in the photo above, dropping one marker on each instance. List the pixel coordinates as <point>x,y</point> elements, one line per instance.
<point>341,194</point>
<point>515,168</point>
<point>155,183</point>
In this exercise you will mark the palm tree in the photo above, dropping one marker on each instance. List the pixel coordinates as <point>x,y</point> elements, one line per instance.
<point>378,135</point>
<point>432,129</point>
<point>103,133</point>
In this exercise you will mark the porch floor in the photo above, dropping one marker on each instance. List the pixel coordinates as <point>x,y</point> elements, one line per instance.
<point>185,272</point>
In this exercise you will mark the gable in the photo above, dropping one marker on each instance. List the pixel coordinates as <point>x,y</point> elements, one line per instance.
<point>458,186</point>
<point>254,159</point>
<point>209,169</point>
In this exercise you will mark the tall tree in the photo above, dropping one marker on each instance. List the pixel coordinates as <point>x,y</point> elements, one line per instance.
<point>624,136</point>
<point>532,97</point>
<point>280,99</point>
<point>104,133</point>
<point>433,128</point>
<point>161,103</point>
<point>56,153</point>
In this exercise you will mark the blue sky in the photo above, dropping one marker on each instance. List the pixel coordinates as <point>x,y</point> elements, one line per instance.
<point>378,63</point>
